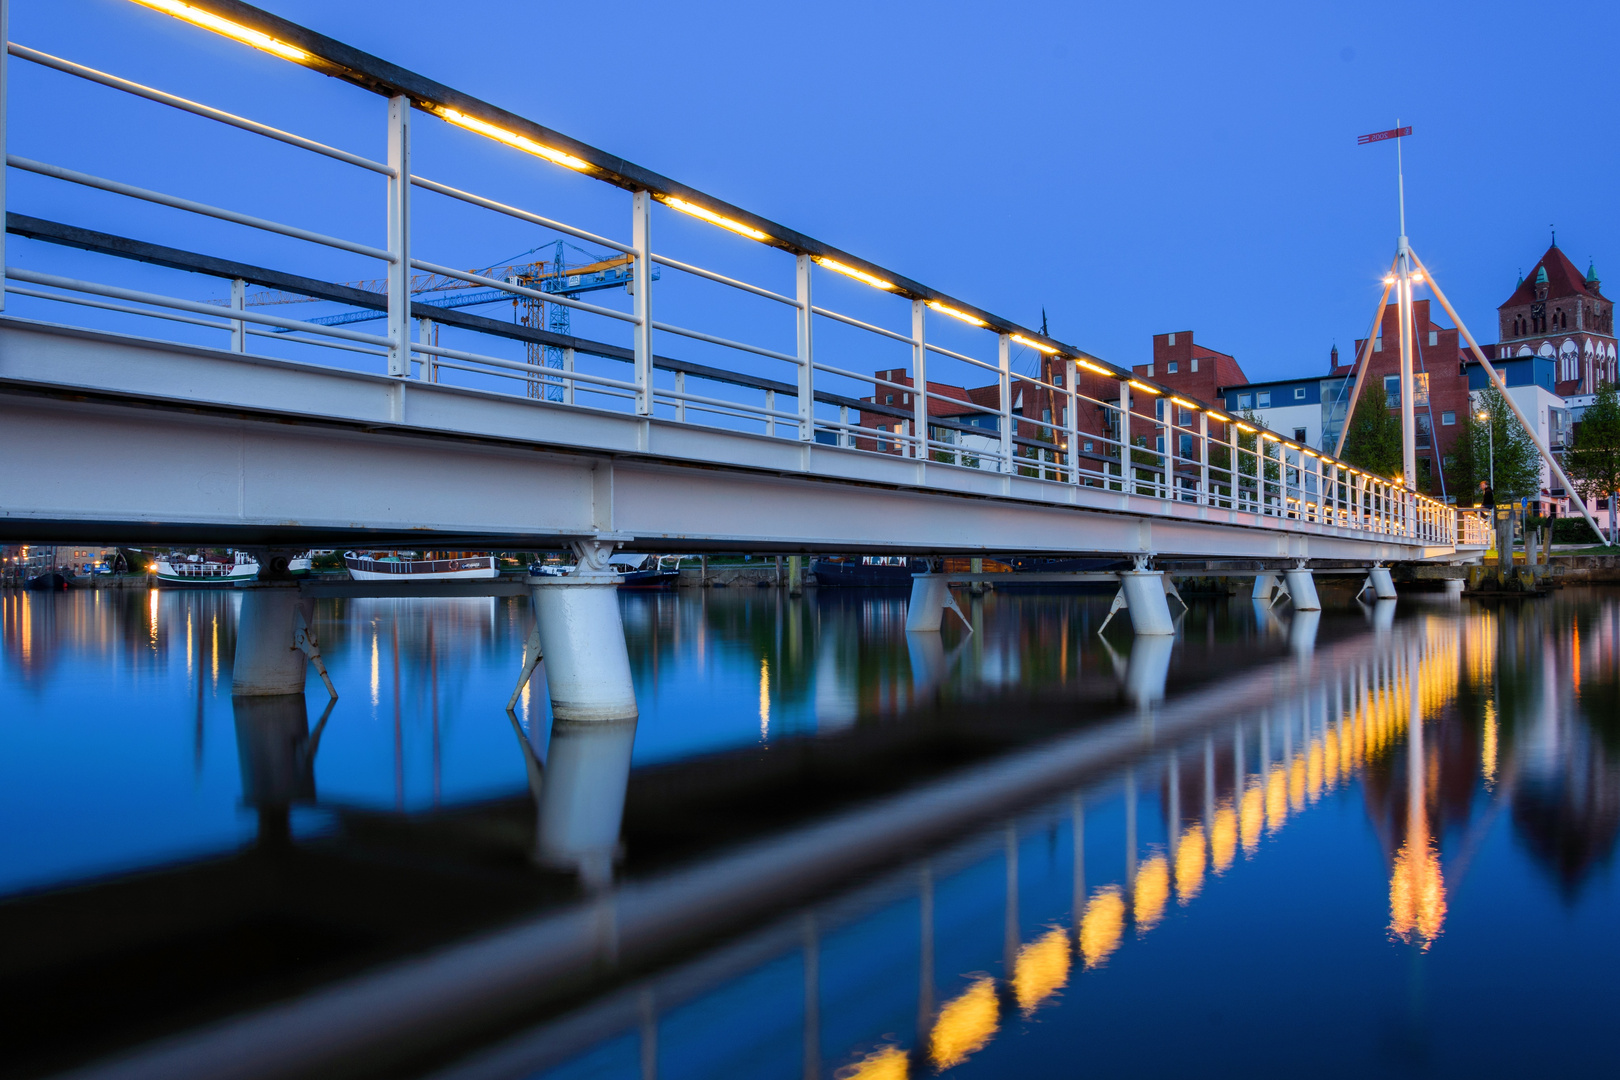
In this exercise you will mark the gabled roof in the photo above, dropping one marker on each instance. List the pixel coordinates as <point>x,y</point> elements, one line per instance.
<point>1562,278</point>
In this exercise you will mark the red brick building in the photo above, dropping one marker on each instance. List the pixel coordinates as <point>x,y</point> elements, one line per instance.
<point>1190,369</point>
<point>1562,314</point>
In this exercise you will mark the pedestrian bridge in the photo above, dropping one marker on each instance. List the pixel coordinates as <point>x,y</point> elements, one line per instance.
<point>732,387</point>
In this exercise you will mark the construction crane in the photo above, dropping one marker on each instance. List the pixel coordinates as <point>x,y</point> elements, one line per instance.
<point>551,275</point>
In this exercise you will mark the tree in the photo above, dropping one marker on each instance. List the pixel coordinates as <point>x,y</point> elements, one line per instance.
<point>1593,463</point>
<point>1373,442</point>
<point>1517,461</point>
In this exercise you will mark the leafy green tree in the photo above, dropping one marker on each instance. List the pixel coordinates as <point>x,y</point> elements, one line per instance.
<point>1374,439</point>
<point>1593,463</point>
<point>1517,461</point>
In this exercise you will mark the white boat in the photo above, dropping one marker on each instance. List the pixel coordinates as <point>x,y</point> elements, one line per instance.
<point>176,569</point>
<point>392,566</point>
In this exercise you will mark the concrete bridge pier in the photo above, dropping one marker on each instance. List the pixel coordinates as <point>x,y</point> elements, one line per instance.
<point>1147,602</point>
<point>1267,588</point>
<point>268,658</point>
<point>930,596</point>
<point>580,635</point>
<point>1302,587</point>
<point>1383,586</point>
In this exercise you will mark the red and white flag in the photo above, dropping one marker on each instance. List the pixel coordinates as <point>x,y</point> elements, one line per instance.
<point>1380,136</point>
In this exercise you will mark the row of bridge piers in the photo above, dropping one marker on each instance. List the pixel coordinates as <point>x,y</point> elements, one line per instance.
<point>578,634</point>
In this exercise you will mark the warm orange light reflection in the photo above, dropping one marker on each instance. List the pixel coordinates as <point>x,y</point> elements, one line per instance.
<point>1152,893</point>
<point>1250,817</point>
<point>884,1063</point>
<point>1276,799</point>
<point>1102,925</point>
<point>1190,864</point>
<point>1223,837</point>
<point>1041,969</point>
<point>1417,890</point>
<point>965,1024</point>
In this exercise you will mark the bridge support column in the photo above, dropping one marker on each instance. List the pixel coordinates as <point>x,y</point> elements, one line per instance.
<point>930,596</point>
<point>581,637</point>
<point>1302,587</point>
<point>1145,601</point>
<point>1383,585</point>
<point>1265,586</point>
<point>268,658</point>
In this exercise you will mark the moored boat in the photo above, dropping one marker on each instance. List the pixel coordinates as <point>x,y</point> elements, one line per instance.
<point>868,571</point>
<point>641,572</point>
<point>394,565</point>
<point>205,570</point>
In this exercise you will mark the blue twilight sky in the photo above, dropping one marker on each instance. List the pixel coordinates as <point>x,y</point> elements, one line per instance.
<point>1132,169</point>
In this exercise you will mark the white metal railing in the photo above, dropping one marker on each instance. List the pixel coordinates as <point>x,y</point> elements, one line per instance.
<point>1107,429</point>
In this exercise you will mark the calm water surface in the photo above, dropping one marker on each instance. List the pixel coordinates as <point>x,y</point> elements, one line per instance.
<point>1393,856</point>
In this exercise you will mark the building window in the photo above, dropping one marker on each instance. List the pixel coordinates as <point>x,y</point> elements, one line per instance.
<point>1378,343</point>
<point>1150,371</point>
<point>1186,446</point>
<point>1299,434</point>
<point>1245,401</point>
<point>1425,434</point>
<point>1158,409</point>
<point>1299,393</point>
<point>1184,417</point>
<point>1434,337</point>
<point>905,399</point>
<point>1088,448</point>
<point>1057,379</point>
<point>1448,418</point>
<point>1170,368</point>
<point>1172,338</point>
<point>1392,391</point>
<point>1263,399</point>
<point>1194,363</point>
<point>1046,415</point>
<point>888,399</point>
<point>1158,444</point>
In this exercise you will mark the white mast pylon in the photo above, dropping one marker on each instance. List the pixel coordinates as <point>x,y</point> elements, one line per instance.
<point>1553,467</point>
<point>1403,261</point>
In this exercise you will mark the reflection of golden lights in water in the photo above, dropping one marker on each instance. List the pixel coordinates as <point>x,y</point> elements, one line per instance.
<point>214,671</point>
<point>1250,818</point>
<point>1276,798</point>
<point>1152,893</point>
<point>151,616</point>
<point>1575,660</point>
<point>1041,969</point>
<point>884,1063</point>
<point>1223,837</point>
<point>1190,864</point>
<point>965,1024</point>
<point>188,644</point>
<point>1296,783</point>
<point>1102,925</point>
<point>1487,751</point>
<point>1330,758</point>
<point>26,623</point>
<point>376,675</point>
<point>1417,890</point>
<point>764,697</point>
<point>1314,770</point>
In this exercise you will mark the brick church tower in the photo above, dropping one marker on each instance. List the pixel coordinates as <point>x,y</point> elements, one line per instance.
<point>1562,314</point>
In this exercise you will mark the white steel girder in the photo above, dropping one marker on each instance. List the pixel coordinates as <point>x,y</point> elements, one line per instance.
<point>117,438</point>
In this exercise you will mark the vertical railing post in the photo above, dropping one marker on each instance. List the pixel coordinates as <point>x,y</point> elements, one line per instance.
<point>770,413</point>
<point>238,302</point>
<point>568,375</point>
<point>680,402</point>
<point>1167,457</point>
<point>1205,496</point>
<point>1234,488</point>
<point>807,370</point>
<point>399,236</point>
<point>641,279</point>
<point>919,382</point>
<point>430,361</point>
<point>1004,378</point>
<point>1321,491</point>
<point>1072,423</point>
<point>844,437</point>
<point>5,96</point>
<point>1125,473</point>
